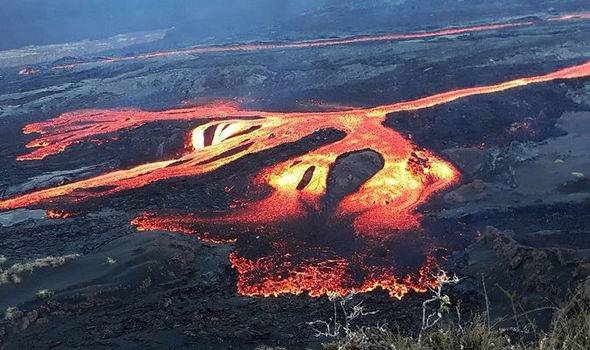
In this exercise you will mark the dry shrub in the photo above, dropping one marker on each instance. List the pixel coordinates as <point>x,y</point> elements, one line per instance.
<point>570,331</point>
<point>571,327</point>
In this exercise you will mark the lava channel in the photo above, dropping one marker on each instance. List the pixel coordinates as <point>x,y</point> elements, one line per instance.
<point>337,42</point>
<point>287,239</point>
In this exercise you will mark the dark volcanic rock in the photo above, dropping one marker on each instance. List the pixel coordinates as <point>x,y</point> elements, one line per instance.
<point>349,172</point>
<point>13,217</point>
<point>128,264</point>
<point>472,191</point>
<point>137,270</point>
<point>516,273</point>
<point>469,160</point>
<point>488,120</point>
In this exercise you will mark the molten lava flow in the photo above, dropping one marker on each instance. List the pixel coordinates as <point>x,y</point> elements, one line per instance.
<point>278,247</point>
<point>308,44</point>
<point>58,214</point>
<point>572,16</point>
<point>334,42</point>
<point>71,128</point>
<point>276,274</point>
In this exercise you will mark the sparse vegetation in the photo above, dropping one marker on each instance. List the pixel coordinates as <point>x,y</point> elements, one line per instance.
<point>344,315</point>
<point>15,273</point>
<point>43,294</point>
<point>570,331</point>
<point>10,312</point>
<point>571,327</point>
<point>435,307</point>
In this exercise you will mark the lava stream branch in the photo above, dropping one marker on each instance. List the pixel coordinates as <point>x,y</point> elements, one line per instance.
<point>59,133</point>
<point>339,41</point>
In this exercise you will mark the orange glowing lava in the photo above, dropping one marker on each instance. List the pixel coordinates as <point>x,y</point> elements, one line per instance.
<point>58,214</point>
<point>571,16</point>
<point>277,252</point>
<point>334,42</point>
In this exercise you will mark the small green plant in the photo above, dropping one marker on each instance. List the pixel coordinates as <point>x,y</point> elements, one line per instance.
<point>438,304</point>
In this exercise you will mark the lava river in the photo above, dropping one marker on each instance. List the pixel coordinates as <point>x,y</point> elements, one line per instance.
<point>515,24</point>
<point>288,238</point>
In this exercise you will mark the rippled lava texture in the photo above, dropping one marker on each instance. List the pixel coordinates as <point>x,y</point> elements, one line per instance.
<point>292,238</point>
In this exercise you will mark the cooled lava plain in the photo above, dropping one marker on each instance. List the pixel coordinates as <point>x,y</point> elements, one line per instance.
<point>265,202</point>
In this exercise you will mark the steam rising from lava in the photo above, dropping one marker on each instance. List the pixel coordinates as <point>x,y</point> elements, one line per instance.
<point>279,249</point>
